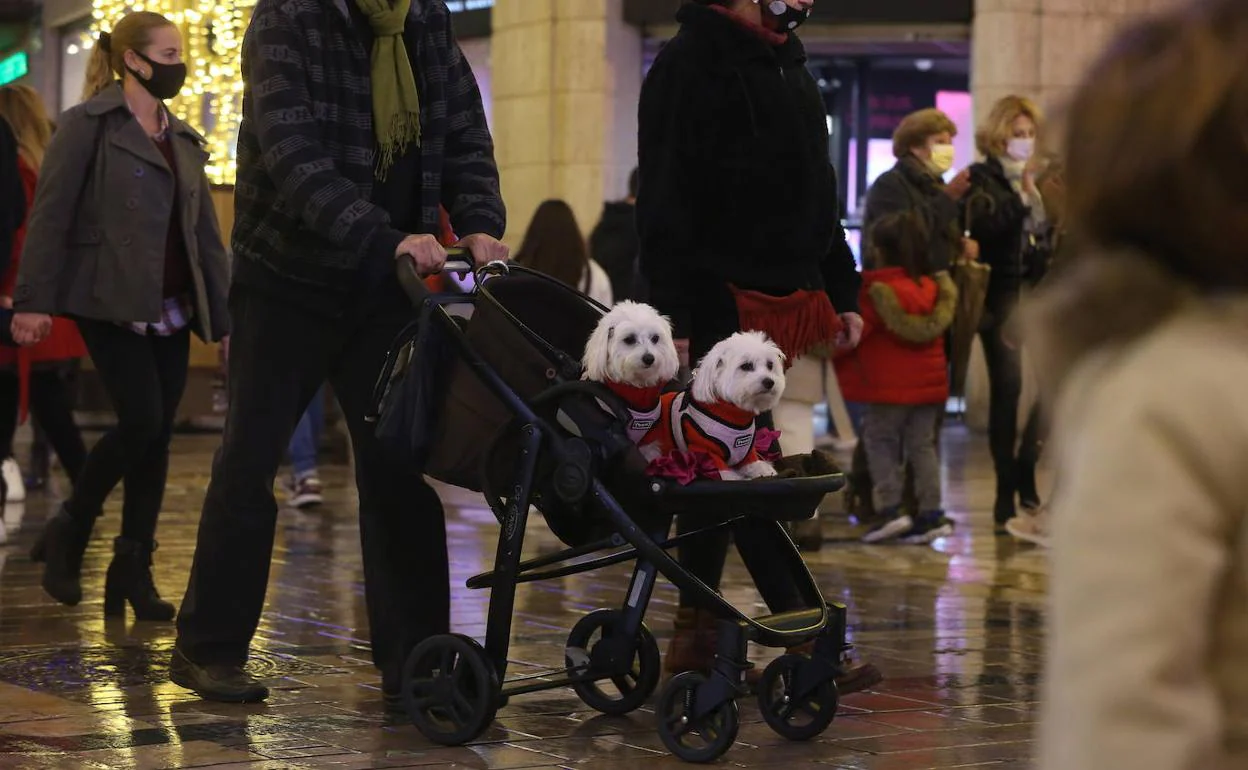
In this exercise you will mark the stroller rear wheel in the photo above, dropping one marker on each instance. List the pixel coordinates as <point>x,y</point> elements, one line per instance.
<point>798,697</point>
<point>450,689</point>
<point>695,738</point>
<point>595,647</point>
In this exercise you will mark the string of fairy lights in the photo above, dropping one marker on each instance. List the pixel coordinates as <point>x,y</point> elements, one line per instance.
<point>212,34</point>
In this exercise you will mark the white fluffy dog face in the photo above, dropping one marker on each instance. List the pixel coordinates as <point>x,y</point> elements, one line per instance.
<point>746,370</point>
<point>632,344</point>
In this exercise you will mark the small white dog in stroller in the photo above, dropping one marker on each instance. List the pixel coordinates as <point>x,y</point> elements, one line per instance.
<point>631,352</point>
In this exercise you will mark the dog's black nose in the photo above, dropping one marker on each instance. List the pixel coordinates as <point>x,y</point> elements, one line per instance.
<point>647,359</point>
<point>768,383</point>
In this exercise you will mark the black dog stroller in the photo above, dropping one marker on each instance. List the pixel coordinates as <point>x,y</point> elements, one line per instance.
<point>494,403</point>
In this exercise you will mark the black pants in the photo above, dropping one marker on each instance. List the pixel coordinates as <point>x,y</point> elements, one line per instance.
<point>715,318</point>
<point>145,376</point>
<point>1014,460</point>
<point>52,405</point>
<point>280,355</point>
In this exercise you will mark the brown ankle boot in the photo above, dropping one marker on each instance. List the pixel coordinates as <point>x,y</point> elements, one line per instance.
<point>693,642</point>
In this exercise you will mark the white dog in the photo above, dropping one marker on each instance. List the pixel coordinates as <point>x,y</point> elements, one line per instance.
<point>740,378</point>
<point>632,353</point>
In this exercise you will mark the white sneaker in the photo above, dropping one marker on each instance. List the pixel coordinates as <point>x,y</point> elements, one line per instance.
<point>1031,527</point>
<point>13,480</point>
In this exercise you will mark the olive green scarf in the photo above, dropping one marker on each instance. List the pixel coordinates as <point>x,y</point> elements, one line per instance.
<point>396,101</point>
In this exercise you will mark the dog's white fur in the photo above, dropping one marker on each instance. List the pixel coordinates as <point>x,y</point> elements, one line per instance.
<point>632,344</point>
<point>747,371</point>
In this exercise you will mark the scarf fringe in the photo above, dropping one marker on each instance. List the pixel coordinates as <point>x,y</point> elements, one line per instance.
<point>404,132</point>
<point>797,323</point>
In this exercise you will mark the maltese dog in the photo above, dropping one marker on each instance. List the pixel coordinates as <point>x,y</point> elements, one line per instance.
<point>631,352</point>
<point>740,378</point>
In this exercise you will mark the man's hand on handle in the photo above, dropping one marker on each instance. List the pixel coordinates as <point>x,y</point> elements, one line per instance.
<point>425,251</point>
<point>484,248</point>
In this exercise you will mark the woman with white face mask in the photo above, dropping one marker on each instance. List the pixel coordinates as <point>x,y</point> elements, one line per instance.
<point>1005,215</point>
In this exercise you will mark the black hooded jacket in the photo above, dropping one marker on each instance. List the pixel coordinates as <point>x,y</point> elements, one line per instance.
<point>736,182</point>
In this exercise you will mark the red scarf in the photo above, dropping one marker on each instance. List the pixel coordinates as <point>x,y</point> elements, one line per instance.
<point>797,323</point>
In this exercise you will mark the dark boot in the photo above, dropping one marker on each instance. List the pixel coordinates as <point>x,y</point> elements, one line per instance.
<point>130,580</point>
<point>808,534</point>
<point>693,642</point>
<point>63,543</point>
<point>222,683</point>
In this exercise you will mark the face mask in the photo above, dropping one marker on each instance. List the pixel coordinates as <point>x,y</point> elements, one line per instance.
<point>166,81</point>
<point>787,17</point>
<point>1021,149</point>
<point>942,158</point>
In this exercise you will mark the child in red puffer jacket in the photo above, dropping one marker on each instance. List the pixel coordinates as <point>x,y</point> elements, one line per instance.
<point>900,373</point>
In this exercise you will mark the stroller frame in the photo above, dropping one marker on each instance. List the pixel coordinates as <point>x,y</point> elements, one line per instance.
<point>453,686</point>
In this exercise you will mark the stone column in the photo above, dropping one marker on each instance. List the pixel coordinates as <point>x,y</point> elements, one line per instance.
<point>565,76</point>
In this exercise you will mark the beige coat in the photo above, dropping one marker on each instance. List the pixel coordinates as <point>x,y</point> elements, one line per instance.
<point>1148,638</point>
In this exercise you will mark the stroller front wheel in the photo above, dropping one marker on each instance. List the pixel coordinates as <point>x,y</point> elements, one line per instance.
<point>798,697</point>
<point>690,733</point>
<point>450,689</point>
<point>633,666</point>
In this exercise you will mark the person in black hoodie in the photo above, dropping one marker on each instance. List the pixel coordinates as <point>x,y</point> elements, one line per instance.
<point>740,228</point>
<point>1005,214</point>
<point>614,245</point>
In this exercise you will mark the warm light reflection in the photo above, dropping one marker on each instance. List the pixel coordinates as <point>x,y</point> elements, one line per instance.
<point>211,101</point>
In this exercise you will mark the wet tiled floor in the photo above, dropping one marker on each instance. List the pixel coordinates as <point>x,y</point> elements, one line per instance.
<point>957,630</point>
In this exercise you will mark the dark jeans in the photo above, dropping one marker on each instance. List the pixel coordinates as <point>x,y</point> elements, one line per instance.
<point>1013,457</point>
<point>715,317</point>
<point>52,405</point>
<point>280,355</point>
<point>145,376</point>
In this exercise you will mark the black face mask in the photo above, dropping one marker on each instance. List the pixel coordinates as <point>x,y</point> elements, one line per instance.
<point>787,17</point>
<point>166,81</point>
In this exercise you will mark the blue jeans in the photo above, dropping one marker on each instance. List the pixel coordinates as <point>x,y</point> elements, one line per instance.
<point>307,437</point>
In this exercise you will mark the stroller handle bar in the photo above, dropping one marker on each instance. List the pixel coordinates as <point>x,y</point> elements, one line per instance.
<point>458,260</point>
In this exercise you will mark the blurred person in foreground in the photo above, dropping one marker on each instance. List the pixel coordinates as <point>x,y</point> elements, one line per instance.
<point>1143,340</point>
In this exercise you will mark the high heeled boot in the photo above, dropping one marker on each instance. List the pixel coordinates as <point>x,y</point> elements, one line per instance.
<point>62,545</point>
<point>129,579</point>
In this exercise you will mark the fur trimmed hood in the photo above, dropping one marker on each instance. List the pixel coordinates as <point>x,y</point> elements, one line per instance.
<point>917,328</point>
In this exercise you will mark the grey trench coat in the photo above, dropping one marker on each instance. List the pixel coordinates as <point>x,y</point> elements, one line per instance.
<point>96,238</point>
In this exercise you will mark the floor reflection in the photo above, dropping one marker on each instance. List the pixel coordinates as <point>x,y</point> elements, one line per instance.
<point>957,629</point>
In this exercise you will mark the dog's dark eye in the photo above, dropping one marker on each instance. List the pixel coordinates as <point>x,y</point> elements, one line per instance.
<point>654,340</point>
<point>630,339</point>
<point>748,366</point>
<point>771,366</point>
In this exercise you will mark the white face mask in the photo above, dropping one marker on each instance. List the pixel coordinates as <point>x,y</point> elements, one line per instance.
<point>942,158</point>
<point>1021,149</point>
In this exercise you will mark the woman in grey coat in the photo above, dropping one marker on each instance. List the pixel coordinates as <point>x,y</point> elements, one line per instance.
<point>123,238</point>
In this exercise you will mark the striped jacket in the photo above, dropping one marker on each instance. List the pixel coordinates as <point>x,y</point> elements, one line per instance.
<point>306,145</point>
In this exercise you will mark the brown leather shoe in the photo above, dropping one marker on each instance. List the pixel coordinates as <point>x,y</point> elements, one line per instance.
<point>692,647</point>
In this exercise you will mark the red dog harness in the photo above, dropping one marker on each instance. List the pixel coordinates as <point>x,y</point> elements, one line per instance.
<point>723,432</point>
